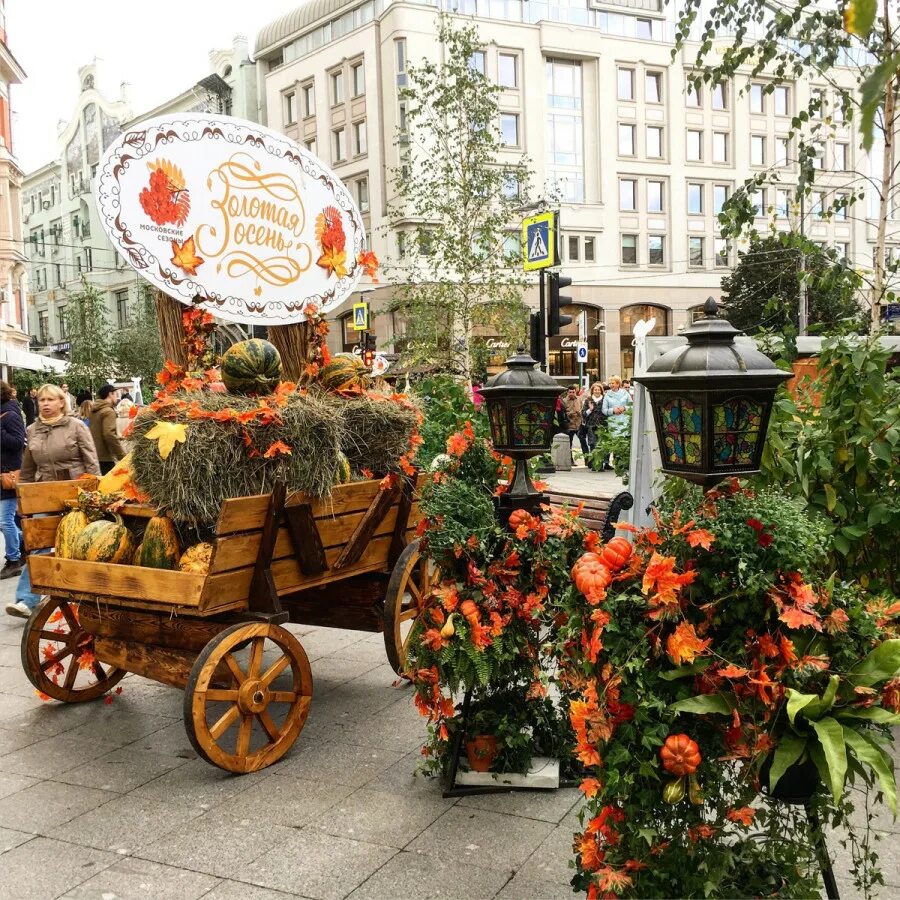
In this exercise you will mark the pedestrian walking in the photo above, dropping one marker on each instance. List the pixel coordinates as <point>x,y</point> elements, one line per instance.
<point>103,428</point>
<point>594,417</point>
<point>71,404</point>
<point>572,405</point>
<point>29,405</point>
<point>58,448</point>
<point>12,444</point>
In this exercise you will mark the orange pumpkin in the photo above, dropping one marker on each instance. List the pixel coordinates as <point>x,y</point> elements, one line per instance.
<point>591,576</point>
<point>616,553</point>
<point>519,517</point>
<point>680,755</point>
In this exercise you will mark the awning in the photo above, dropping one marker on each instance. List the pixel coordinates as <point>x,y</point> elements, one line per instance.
<point>25,359</point>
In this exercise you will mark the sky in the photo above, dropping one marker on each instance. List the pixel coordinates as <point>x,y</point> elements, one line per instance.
<point>160,49</point>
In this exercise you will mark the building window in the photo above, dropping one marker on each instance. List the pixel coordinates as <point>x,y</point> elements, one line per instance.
<point>654,142</point>
<point>626,84</point>
<point>720,196</point>
<point>643,29</point>
<point>565,129</point>
<point>782,203</point>
<point>695,251</point>
<point>401,119</point>
<point>626,140</point>
<point>359,138</point>
<point>308,96</point>
<point>656,253</point>
<point>654,196</point>
<point>694,145</point>
<point>695,198</point>
<point>720,96</point>
<point>511,187</point>
<point>629,249</point>
<point>759,206</point>
<point>782,151</point>
<point>692,96</point>
<point>121,298</point>
<point>840,157</point>
<point>837,114</point>
<point>362,195</point>
<point>339,145</point>
<point>588,249</point>
<point>653,87</point>
<point>401,244</point>
<point>290,109</point>
<point>627,192</point>
<point>722,253</point>
<point>818,158</point>
<point>43,327</point>
<point>573,249</point>
<point>59,275</point>
<point>477,61</point>
<point>720,147</point>
<point>508,70</point>
<point>509,129</point>
<point>840,207</point>
<point>310,145</point>
<point>358,78</point>
<point>843,251</point>
<point>757,150</point>
<point>337,88</point>
<point>782,100</point>
<point>757,99</point>
<point>401,55</point>
<point>818,205</point>
<point>61,318</point>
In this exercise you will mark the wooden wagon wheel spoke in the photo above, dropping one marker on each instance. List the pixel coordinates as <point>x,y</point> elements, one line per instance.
<point>98,670</point>
<point>71,674</point>
<point>56,636</point>
<point>250,698</point>
<point>415,592</point>
<point>225,722</point>
<point>70,616</point>
<point>410,613</point>
<point>57,657</point>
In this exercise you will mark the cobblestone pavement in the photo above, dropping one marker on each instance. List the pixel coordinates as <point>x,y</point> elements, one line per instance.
<point>110,801</point>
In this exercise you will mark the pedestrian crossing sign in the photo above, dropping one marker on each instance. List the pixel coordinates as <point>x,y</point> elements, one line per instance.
<point>539,241</point>
<point>360,316</point>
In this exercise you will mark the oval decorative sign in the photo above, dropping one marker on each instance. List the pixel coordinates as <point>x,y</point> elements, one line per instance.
<point>231,215</point>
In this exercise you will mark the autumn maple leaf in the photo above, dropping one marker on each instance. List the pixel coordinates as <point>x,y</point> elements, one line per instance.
<point>276,448</point>
<point>733,671</point>
<point>167,434</point>
<point>333,261</point>
<point>184,256</point>
<point>700,537</point>
<point>683,645</point>
<point>743,816</point>
<point>589,787</point>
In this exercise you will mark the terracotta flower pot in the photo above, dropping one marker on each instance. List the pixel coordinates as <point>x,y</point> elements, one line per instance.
<point>481,750</point>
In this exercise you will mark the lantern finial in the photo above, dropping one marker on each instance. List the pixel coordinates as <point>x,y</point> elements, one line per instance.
<point>710,308</point>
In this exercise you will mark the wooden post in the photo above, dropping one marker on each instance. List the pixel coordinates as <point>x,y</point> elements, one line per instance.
<point>292,342</point>
<point>263,594</point>
<point>171,331</point>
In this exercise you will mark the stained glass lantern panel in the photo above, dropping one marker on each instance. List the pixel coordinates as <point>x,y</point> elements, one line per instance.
<point>682,422</point>
<point>736,430</point>
<point>499,429</point>
<point>532,424</point>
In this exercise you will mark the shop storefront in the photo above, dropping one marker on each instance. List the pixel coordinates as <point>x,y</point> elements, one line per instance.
<point>563,355</point>
<point>628,316</point>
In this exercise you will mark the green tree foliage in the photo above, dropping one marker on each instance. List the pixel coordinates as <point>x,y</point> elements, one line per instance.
<point>796,41</point>
<point>137,347</point>
<point>456,203</point>
<point>837,445</point>
<point>447,406</point>
<point>763,290</point>
<point>91,356</point>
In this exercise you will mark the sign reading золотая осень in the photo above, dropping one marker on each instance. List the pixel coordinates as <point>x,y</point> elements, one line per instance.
<point>228,213</point>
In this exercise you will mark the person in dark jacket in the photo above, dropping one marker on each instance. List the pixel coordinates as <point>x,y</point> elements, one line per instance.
<point>29,404</point>
<point>593,416</point>
<point>103,428</point>
<point>12,443</point>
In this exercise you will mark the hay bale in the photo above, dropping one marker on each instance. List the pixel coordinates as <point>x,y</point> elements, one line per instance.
<point>376,433</point>
<point>214,463</point>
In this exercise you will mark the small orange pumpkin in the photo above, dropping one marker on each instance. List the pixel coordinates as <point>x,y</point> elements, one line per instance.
<point>519,517</point>
<point>616,553</point>
<point>680,755</point>
<point>591,576</point>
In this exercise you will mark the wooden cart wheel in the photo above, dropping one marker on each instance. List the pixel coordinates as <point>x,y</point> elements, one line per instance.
<point>411,583</point>
<point>58,655</point>
<point>247,696</point>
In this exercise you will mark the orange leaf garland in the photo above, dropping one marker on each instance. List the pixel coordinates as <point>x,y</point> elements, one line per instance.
<point>684,646</point>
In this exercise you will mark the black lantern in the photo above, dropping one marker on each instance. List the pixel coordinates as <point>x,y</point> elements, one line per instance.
<point>711,402</point>
<point>521,406</point>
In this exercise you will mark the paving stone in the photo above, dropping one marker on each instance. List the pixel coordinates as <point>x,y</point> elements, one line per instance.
<point>11,657</point>
<point>199,783</point>
<point>217,843</point>
<point>171,740</point>
<point>381,818</point>
<point>10,839</point>
<point>47,805</point>
<point>46,718</point>
<point>354,701</point>
<point>11,783</point>
<point>237,890</point>
<point>364,651</point>
<point>327,641</point>
<point>338,763</point>
<point>482,838</point>
<point>12,707</point>
<point>122,770</point>
<point>330,671</point>
<point>138,879</point>
<point>426,878</point>
<point>524,887</point>
<point>550,862</point>
<point>55,755</point>
<point>549,806</point>
<point>117,725</point>
<point>61,866</point>
<point>317,865</point>
<point>127,824</point>
<point>285,800</point>
<point>403,778</point>
<point>397,727</point>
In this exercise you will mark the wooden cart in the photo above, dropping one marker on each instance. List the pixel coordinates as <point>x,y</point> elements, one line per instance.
<point>350,561</point>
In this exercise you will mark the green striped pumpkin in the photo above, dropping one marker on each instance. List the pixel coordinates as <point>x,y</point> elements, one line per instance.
<point>343,475</point>
<point>69,528</point>
<point>159,549</point>
<point>251,367</point>
<point>345,372</point>
<point>104,541</point>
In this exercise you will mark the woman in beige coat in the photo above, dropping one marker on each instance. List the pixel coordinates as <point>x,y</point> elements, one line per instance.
<point>59,448</point>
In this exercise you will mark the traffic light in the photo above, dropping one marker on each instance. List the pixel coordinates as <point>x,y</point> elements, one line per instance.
<point>369,350</point>
<point>555,320</point>
<point>536,337</point>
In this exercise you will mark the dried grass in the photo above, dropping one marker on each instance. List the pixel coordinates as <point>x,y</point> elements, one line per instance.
<point>376,434</point>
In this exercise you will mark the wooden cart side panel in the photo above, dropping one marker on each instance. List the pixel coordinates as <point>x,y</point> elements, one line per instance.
<point>159,629</point>
<point>237,550</point>
<point>248,513</point>
<point>99,579</point>
<point>51,496</point>
<point>40,533</point>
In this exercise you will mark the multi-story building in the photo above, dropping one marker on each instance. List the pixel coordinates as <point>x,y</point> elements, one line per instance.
<point>64,238</point>
<point>592,95</point>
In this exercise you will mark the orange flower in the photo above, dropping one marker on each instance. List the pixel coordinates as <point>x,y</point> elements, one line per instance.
<point>890,699</point>
<point>743,816</point>
<point>699,832</point>
<point>683,645</point>
<point>275,448</point>
<point>590,787</point>
<point>700,537</point>
<point>661,575</point>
